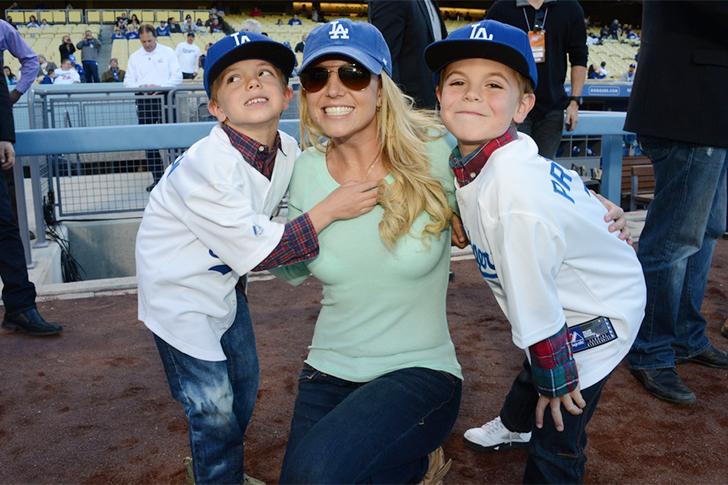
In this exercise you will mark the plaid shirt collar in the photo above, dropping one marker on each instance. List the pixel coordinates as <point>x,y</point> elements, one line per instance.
<point>467,168</point>
<point>260,157</point>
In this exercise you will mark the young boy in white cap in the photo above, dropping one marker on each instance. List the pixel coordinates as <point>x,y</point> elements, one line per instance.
<point>207,225</point>
<point>573,292</point>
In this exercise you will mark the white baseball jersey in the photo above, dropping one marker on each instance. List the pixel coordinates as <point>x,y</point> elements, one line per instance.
<point>157,68</point>
<point>188,55</point>
<point>541,243</point>
<point>67,77</point>
<point>206,224</point>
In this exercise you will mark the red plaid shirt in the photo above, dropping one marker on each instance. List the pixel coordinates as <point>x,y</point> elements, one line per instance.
<point>552,361</point>
<point>299,241</point>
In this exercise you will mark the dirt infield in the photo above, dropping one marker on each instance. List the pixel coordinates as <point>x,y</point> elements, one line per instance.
<point>93,406</point>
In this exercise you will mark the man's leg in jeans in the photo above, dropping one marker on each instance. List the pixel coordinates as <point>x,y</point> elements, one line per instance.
<point>676,246</point>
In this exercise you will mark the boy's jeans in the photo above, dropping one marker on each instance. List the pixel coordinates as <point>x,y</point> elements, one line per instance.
<point>218,399</point>
<point>553,456</point>
<point>676,248</point>
<point>369,432</point>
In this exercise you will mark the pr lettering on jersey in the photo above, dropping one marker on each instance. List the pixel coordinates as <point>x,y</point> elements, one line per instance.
<point>338,31</point>
<point>560,181</point>
<point>238,39</point>
<point>478,32</point>
<point>486,267</point>
<point>257,230</point>
<point>176,164</point>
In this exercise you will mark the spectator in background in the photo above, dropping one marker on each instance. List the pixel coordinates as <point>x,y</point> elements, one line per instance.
<point>304,12</point>
<point>117,34</point>
<point>131,32</point>
<point>121,22</point>
<point>409,27</point>
<point>595,73</point>
<point>592,39</point>
<point>603,69</point>
<point>151,65</point>
<point>684,136</point>
<point>200,26</point>
<point>44,24</point>
<point>251,26</point>
<point>256,12</point>
<point>90,47</point>
<point>77,67</point>
<point>188,55</point>
<point>163,29</point>
<point>134,21</point>
<point>215,26</point>
<point>604,33</point>
<point>301,45</point>
<point>174,27</point>
<point>628,77</point>
<point>67,75</point>
<point>42,65</point>
<point>295,20</point>
<point>32,22</point>
<point>66,48</point>
<point>50,75</point>
<point>10,78</point>
<point>114,74</point>
<point>280,23</point>
<point>294,73</point>
<point>188,25</point>
<point>614,29</point>
<point>563,33</point>
<point>201,61</point>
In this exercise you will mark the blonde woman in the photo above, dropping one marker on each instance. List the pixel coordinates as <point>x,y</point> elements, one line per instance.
<point>380,389</point>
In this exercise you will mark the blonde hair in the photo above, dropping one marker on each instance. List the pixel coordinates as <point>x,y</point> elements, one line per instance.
<point>403,133</point>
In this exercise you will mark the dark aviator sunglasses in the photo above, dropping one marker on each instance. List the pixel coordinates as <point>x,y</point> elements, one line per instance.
<point>353,76</point>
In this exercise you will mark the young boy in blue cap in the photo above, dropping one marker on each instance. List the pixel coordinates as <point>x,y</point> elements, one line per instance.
<point>573,292</point>
<point>206,225</point>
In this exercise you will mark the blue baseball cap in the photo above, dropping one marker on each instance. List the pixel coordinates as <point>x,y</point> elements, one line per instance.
<point>72,58</point>
<point>245,45</point>
<point>360,41</point>
<point>487,39</point>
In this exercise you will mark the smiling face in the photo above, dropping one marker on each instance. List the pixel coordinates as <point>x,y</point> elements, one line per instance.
<point>479,99</point>
<point>343,113</point>
<point>249,96</point>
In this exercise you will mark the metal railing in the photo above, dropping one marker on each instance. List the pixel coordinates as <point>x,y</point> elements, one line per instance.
<point>39,144</point>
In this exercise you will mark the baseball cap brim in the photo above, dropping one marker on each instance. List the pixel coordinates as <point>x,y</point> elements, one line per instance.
<point>372,64</point>
<point>439,55</point>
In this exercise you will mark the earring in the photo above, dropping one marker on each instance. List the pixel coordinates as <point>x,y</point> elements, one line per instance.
<point>379,108</point>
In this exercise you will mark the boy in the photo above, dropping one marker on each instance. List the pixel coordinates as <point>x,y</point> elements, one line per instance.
<point>572,291</point>
<point>206,225</point>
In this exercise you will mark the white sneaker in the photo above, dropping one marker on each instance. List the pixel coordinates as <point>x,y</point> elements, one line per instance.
<point>493,436</point>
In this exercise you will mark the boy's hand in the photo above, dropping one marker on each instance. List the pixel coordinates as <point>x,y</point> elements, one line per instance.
<point>573,403</point>
<point>615,214</point>
<point>459,238</point>
<point>346,202</point>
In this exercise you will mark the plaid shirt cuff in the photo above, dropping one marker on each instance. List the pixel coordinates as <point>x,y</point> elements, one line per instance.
<point>299,243</point>
<point>553,365</point>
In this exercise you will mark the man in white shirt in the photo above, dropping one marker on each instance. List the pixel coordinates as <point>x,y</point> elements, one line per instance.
<point>67,74</point>
<point>152,65</point>
<point>188,55</point>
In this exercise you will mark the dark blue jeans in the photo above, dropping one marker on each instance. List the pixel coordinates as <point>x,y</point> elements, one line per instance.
<point>553,456</point>
<point>373,432</point>
<point>18,292</point>
<point>676,246</point>
<point>545,132</point>
<point>91,70</point>
<point>218,399</point>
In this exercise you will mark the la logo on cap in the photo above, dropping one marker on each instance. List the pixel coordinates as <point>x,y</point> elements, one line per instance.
<point>241,40</point>
<point>338,31</point>
<point>477,31</point>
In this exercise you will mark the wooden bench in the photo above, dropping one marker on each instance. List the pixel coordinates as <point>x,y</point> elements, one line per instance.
<point>642,187</point>
<point>627,164</point>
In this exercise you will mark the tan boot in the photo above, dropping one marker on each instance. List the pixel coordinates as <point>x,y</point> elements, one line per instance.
<point>437,469</point>
<point>724,329</point>
<point>190,477</point>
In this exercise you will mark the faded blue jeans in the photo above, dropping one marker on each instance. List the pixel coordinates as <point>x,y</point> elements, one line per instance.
<point>218,399</point>
<point>379,431</point>
<point>676,247</point>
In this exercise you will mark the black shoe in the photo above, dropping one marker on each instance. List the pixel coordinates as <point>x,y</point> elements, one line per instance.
<point>149,188</point>
<point>665,384</point>
<point>711,357</point>
<point>31,323</point>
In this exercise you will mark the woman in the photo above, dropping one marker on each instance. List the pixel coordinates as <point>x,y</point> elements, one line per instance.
<point>380,389</point>
<point>134,21</point>
<point>32,22</point>
<point>66,48</point>
<point>10,78</point>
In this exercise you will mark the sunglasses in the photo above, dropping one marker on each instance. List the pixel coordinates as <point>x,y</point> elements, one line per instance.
<point>352,76</point>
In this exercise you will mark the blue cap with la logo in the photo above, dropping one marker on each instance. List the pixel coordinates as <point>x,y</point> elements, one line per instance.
<point>245,45</point>
<point>487,39</point>
<point>359,41</point>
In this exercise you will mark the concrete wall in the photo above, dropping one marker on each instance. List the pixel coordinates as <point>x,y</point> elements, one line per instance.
<point>104,249</point>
